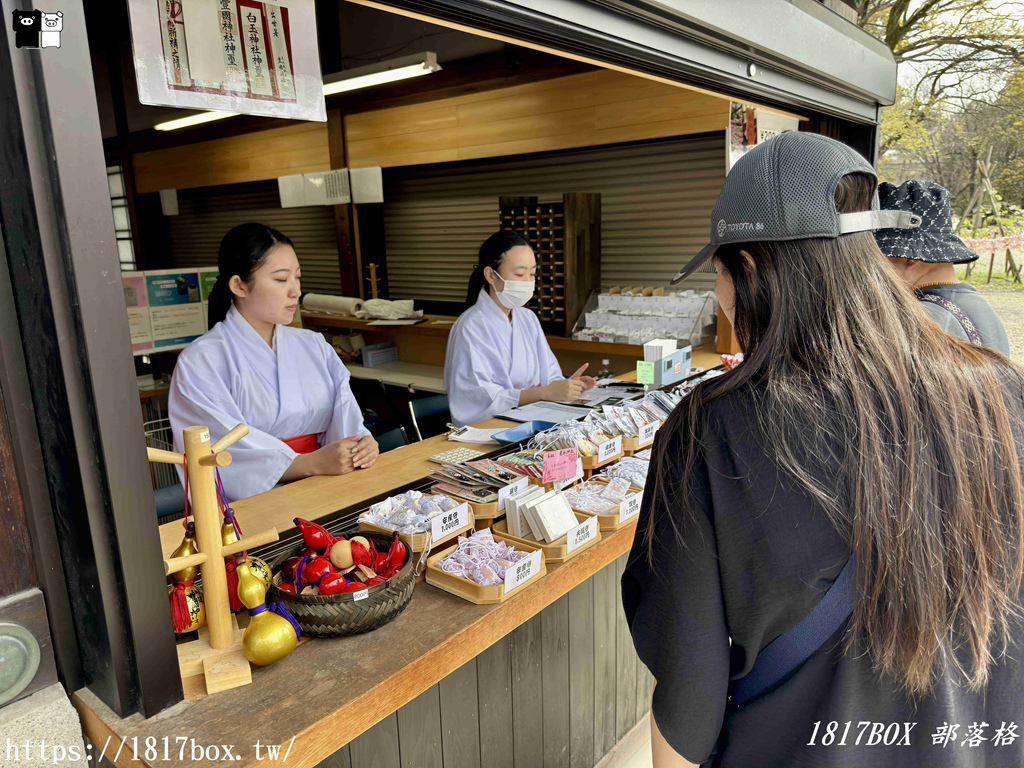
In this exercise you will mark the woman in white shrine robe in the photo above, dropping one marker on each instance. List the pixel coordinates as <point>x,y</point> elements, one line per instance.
<point>286,384</point>
<point>498,357</point>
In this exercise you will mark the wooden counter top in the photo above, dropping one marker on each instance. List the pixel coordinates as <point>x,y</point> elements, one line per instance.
<point>315,497</point>
<point>327,692</point>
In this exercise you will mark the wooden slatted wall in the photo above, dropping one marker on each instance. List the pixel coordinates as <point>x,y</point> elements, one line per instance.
<point>560,691</point>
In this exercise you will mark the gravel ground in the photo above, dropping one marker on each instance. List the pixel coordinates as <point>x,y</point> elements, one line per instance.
<point>1009,305</point>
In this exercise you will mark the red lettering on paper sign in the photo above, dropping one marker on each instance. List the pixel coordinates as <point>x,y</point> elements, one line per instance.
<point>559,465</point>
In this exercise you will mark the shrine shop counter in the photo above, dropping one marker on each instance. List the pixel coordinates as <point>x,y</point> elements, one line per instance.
<point>548,677</point>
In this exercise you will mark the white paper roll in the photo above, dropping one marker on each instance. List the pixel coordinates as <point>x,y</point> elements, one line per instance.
<point>336,305</point>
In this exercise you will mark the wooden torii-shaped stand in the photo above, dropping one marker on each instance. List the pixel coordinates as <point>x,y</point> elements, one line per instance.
<point>217,653</point>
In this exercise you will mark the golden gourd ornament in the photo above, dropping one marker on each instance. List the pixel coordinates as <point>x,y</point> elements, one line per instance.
<point>260,570</point>
<point>187,610</point>
<point>272,632</point>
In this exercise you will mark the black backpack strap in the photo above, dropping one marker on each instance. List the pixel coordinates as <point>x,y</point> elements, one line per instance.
<point>973,335</point>
<point>788,651</point>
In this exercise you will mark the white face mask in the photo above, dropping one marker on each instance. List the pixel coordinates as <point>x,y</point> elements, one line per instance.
<point>517,293</point>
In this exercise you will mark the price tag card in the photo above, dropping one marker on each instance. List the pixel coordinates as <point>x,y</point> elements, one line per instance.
<point>580,535</point>
<point>559,465</point>
<point>448,522</point>
<point>563,484</point>
<point>362,594</point>
<point>629,507</point>
<point>609,448</point>
<point>510,490</point>
<point>519,573</point>
<point>647,432</point>
<point>644,372</point>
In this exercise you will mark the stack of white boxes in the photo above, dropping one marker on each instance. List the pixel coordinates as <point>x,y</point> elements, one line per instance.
<point>688,317</point>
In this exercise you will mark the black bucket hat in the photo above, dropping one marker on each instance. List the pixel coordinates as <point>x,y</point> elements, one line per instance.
<point>785,189</point>
<point>934,241</point>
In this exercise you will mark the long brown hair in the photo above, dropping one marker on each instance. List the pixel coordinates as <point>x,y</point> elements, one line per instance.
<point>838,352</point>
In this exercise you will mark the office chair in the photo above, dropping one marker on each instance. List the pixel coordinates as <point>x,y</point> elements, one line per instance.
<point>426,407</point>
<point>392,439</point>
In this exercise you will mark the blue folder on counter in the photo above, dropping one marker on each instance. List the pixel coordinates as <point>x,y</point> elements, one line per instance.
<point>522,431</point>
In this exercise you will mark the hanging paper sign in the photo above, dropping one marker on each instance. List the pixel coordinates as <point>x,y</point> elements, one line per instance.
<point>519,573</point>
<point>511,490</point>
<point>256,50</point>
<point>644,372</point>
<point>559,465</point>
<point>240,56</point>
<point>582,534</point>
<point>647,432</point>
<point>445,524</point>
<point>278,49</point>
<point>629,507</point>
<point>609,448</point>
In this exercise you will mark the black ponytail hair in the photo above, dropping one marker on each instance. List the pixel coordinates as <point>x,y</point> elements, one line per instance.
<point>491,253</point>
<point>242,251</point>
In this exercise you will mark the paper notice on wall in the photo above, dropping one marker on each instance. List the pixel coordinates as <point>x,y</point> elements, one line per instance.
<point>175,307</point>
<point>136,302</point>
<point>315,188</point>
<point>242,56</point>
<point>176,325</point>
<point>750,126</point>
<point>207,278</point>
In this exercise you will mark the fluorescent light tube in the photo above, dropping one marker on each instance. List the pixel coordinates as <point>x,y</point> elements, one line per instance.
<point>384,72</point>
<point>185,122</point>
<point>349,80</point>
<point>377,78</point>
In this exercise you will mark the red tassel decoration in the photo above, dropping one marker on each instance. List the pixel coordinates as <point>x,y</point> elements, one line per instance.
<point>236,603</point>
<point>179,606</point>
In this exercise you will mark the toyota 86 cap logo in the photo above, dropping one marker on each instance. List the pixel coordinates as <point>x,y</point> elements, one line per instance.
<point>721,227</point>
<point>37,29</point>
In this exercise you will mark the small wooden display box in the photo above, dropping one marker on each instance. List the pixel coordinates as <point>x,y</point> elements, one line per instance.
<point>473,592</point>
<point>484,514</point>
<point>590,463</point>
<point>631,445</point>
<point>417,542</point>
<point>612,521</point>
<point>558,550</point>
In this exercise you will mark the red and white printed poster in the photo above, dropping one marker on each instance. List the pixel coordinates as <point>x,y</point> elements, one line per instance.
<point>244,56</point>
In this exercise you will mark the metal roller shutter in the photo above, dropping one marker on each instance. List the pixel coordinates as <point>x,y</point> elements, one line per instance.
<point>205,214</point>
<point>656,201</point>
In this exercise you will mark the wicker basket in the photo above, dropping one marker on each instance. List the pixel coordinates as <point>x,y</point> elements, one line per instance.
<point>340,615</point>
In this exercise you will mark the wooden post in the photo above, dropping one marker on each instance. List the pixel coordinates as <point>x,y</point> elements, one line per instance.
<point>202,487</point>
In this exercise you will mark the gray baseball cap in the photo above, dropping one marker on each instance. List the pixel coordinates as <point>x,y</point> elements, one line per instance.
<point>785,189</point>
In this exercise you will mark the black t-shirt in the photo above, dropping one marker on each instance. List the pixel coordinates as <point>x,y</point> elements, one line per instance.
<point>758,556</point>
<point>27,26</point>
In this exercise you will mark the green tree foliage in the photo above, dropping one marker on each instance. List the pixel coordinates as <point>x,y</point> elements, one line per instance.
<point>959,48</point>
<point>961,93</point>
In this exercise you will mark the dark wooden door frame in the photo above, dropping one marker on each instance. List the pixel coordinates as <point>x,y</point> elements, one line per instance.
<point>58,240</point>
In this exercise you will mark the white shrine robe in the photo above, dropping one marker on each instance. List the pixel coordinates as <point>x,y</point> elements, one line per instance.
<point>490,359</point>
<point>230,376</point>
